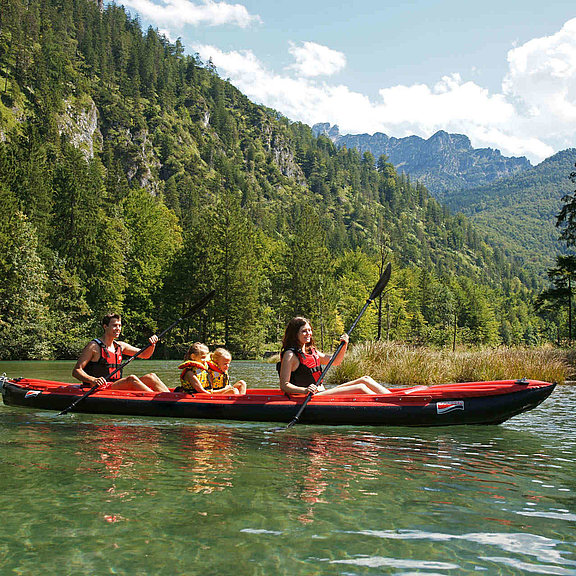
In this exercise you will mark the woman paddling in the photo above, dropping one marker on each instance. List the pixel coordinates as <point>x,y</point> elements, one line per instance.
<point>300,365</point>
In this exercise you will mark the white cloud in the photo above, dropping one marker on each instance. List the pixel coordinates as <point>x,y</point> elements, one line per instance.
<point>534,115</point>
<point>541,82</point>
<point>177,13</point>
<point>316,60</point>
<point>297,98</point>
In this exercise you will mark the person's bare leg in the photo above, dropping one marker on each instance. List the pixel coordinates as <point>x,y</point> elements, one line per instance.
<point>240,386</point>
<point>130,383</point>
<point>153,382</point>
<point>370,383</point>
<point>347,389</point>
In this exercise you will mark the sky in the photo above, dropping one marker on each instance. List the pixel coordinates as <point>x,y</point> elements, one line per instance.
<point>501,72</point>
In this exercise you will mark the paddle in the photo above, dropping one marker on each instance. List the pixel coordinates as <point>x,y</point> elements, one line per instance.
<point>196,308</point>
<point>374,294</point>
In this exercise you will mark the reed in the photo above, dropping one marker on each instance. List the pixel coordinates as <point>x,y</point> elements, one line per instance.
<point>403,365</point>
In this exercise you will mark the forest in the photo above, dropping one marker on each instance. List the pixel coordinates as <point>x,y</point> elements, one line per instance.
<point>134,179</point>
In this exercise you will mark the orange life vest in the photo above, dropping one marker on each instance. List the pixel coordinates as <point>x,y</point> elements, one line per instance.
<point>200,371</point>
<point>216,378</point>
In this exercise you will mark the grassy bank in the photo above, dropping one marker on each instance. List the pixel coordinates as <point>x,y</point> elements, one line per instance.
<point>402,365</point>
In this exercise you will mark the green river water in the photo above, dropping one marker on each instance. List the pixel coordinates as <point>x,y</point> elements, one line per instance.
<point>85,494</point>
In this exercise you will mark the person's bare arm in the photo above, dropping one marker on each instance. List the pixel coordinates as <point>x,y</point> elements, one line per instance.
<point>226,390</point>
<point>191,378</point>
<point>325,358</point>
<point>129,350</point>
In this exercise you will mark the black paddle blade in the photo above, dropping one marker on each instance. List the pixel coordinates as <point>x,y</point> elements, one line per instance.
<point>200,304</point>
<point>382,282</point>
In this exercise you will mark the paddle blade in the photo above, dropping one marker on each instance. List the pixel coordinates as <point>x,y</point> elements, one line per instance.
<point>382,282</point>
<point>200,304</point>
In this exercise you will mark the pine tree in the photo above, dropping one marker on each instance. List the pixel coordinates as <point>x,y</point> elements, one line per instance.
<point>306,264</point>
<point>567,216</point>
<point>559,297</point>
<point>154,236</point>
<point>24,314</point>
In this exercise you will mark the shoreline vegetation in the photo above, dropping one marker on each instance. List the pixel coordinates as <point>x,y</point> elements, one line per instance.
<point>405,365</point>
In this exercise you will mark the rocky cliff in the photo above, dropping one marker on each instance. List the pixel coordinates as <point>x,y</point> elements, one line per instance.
<point>443,163</point>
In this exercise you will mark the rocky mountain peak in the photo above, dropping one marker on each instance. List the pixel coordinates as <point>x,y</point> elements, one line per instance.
<point>443,162</point>
<point>325,129</point>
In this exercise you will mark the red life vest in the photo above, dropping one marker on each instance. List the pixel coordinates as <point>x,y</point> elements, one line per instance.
<point>309,369</point>
<point>107,363</point>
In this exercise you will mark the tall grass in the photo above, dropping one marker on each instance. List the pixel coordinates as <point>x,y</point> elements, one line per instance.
<point>403,365</point>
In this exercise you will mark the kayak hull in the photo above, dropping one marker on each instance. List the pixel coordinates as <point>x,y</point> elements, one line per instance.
<point>440,405</point>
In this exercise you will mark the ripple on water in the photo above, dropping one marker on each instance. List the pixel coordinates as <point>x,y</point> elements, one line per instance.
<point>546,551</point>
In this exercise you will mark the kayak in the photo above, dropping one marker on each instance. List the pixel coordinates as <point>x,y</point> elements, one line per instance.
<point>437,405</point>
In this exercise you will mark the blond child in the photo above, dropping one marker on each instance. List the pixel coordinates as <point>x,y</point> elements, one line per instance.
<point>194,369</point>
<point>218,378</point>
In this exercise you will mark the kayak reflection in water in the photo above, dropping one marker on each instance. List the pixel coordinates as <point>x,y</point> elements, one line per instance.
<point>102,356</point>
<point>300,365</point>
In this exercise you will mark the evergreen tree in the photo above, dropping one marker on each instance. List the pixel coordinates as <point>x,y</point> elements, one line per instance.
<point>71,317</point>
<point>237,255</point>
<point>560,295</point>
<point>306,265</point>
<point>567,216</point>
<point>23,311</point>
<point>154,236</point>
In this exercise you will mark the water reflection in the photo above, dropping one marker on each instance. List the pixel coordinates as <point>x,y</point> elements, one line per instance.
<point>114,494</point>
<point>206,457</point>
<point>118,451</point>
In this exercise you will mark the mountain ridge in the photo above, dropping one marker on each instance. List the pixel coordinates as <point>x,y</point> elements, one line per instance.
<point>523,208</point>
<point>140,183</point>
<point>443,162</point>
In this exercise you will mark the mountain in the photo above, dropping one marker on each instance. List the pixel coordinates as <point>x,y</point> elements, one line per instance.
<point>522,209</point>
<point>444,162</point>
<point>134,178</point>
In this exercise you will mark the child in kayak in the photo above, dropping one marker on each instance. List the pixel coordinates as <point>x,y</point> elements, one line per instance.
<point>218,378</point>
<point>201,374</point>
<point>194,369</point>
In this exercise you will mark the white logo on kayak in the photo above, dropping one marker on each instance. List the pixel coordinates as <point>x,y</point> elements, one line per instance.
<point>449,406</point>
<point>32,393</point>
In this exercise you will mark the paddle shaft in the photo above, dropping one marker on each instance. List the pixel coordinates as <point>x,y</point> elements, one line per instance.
<point>198,306</point>
<point>375,293</point>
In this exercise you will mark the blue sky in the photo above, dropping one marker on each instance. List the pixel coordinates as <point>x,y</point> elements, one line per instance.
<point>504,73</point>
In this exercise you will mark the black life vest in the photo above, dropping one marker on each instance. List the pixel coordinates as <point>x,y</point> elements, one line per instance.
<point>107,363</point>
<point>309,369</point>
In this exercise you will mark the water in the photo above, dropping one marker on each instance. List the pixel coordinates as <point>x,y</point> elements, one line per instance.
<point>84,494</point>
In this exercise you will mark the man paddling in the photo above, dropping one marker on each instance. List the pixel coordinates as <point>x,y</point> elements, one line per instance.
<point>102,356</point>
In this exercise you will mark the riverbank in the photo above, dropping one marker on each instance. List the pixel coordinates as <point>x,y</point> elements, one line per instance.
<point>403,365</point>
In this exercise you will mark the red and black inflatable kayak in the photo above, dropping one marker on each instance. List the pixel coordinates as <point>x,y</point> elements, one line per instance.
<point>439,405</point>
